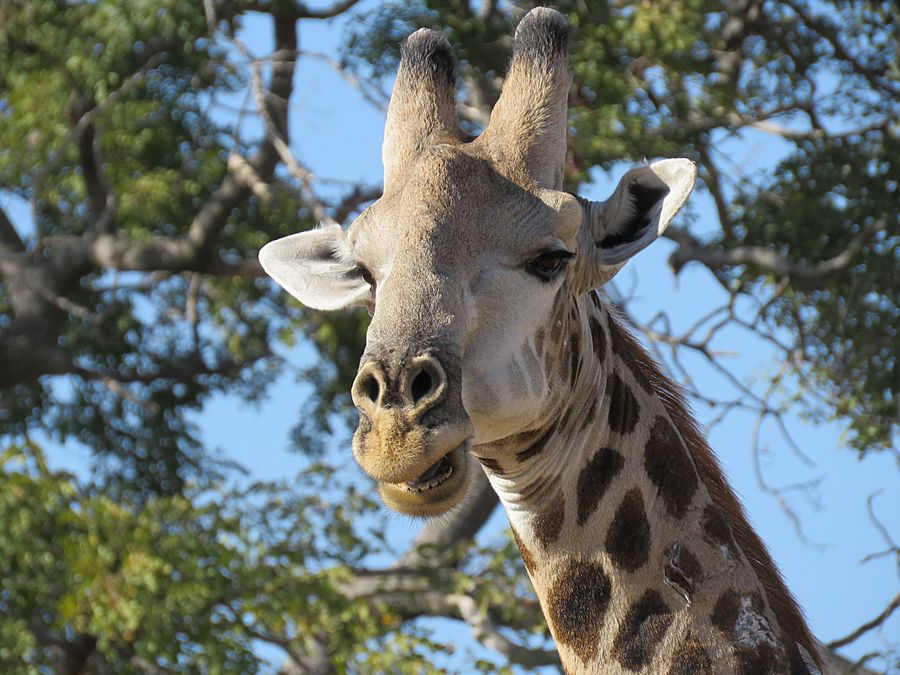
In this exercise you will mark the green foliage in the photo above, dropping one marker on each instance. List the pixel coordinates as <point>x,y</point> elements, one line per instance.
<point>166,559</point>
<point>146,74</point>
<point>849,327</point>
<point>189,582</point>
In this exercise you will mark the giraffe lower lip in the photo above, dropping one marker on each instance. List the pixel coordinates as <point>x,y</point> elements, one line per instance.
<point>439,472</point>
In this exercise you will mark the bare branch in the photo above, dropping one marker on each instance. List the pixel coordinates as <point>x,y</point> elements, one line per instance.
<point>892,548</point>
<point>305,12</point>
<point>716,189</point>
<point>830,34</point>
<point>439,538</point>
<point>867,626</point>
<point>797,134</point>
<point>433,593</point>
<point>807,277</point>
<point>277,136</point>
<point>244,172</point>
<point>357,197</point>
<point>184,371</point>
<point>100,193</point>
<point>369,91</point>
<point>487,633</point>
<point>299,10</point>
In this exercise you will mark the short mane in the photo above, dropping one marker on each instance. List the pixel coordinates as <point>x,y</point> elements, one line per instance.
<point>790,617</point>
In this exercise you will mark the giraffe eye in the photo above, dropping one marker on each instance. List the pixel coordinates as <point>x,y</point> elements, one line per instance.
<point>548,265</point>
<point>367,277</point>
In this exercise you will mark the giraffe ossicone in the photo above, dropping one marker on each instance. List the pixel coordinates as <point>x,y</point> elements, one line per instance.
<point>489,346</point>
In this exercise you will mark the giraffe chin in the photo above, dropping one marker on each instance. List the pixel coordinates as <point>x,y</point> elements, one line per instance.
<point>438,490</point>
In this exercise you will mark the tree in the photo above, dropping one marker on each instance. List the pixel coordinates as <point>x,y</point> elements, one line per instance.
<point>134,296</point>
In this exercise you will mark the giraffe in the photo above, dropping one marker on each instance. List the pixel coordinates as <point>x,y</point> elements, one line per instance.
<point>490,345</point>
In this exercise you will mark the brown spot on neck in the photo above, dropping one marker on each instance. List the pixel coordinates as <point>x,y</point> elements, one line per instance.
<point>624,409</point>
<point>755,660</point>
<point>628,537</point>
<point>690,659</point>
<point>717,531</point>
<point>598,338</point>
<point>538,445</point>
<point>491,465</point>
<point>527,557</point>
<point>576,607</point>
<point>790,619</point>
<point>725,611</point>
<point>643,629</point>
<point>548,523</point>
<point>669,467</point>
<point>594,480</point>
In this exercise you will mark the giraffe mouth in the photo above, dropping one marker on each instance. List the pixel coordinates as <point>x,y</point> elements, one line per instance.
<point>437,489</point>
<point>436,475</point>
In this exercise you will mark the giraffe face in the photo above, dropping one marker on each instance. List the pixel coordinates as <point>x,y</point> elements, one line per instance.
<point>463,261</point>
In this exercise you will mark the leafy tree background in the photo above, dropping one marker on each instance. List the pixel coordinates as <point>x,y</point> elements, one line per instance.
<point>146,153</point>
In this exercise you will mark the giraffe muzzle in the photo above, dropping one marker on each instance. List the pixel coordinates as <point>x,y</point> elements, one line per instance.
<point>437,490</point>
<point>420,385</point>
<point>413,432</point>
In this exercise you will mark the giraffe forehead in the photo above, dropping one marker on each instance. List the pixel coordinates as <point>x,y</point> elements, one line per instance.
<point>454,203</point>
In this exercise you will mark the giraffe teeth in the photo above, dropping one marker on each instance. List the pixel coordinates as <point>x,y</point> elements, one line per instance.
<point>438,473</point>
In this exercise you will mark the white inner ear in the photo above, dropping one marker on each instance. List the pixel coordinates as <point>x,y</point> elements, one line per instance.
<point>679,176</point>
<point>317,268</point>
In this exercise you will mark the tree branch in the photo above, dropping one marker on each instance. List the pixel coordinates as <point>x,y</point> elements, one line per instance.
<point>300,10</point>
<point>304,12</point>
<point>830,34</point>
<point>29,341</point>
<point>806,277</point>
<point>438,540</point>
<point>100,194</point>
<point>487,633</point>
<point>357,197</point>
<point>866,627</point>
<point>434,593</point>
<point>185,371</point>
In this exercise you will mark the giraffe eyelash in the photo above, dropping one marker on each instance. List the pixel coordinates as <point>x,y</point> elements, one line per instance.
<point>548,265</point>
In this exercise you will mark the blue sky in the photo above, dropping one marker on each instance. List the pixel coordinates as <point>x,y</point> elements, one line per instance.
<point>338,135</point>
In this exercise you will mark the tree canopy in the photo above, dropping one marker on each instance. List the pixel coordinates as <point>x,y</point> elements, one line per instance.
<point>153,150</point>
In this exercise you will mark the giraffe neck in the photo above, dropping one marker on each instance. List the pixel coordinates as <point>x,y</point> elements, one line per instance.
<point>628,532</point>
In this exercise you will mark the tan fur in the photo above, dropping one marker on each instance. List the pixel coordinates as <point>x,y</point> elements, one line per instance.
<point>676,568</point>
<point>401,498</point>
<point>422,109</point>
<point>528,124</point>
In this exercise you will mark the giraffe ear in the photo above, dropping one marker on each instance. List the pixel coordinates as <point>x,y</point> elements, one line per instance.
<point>639,211</point>
<point>317,268</point>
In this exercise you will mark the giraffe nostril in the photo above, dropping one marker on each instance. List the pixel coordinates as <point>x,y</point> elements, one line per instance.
<point>371,388</point>
<point>421,386</point>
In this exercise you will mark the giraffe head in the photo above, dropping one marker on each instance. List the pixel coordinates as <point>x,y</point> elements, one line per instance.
<point>463,261</point>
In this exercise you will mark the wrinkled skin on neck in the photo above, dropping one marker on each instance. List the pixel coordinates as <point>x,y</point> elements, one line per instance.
<point>527,467</point>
